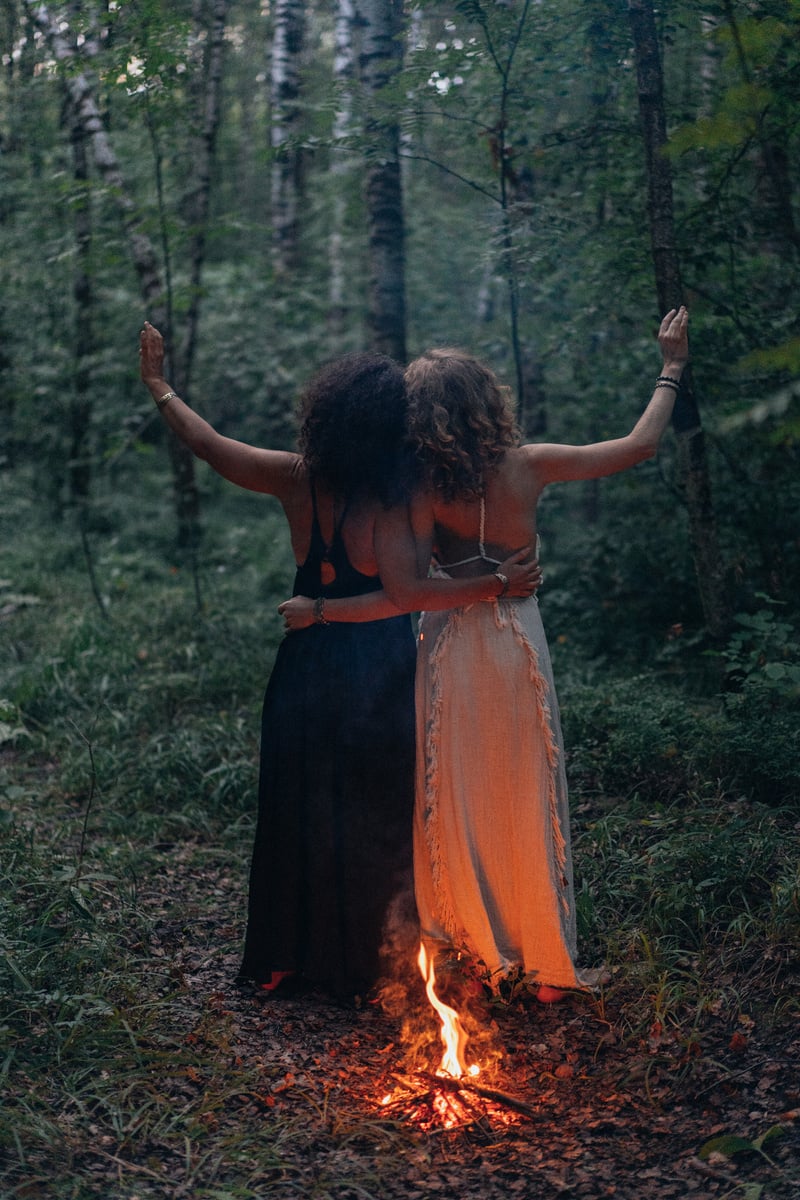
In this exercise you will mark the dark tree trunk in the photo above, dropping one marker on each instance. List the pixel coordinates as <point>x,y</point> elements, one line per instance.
<point>287,162</point>
<point>199,190</point>
<point>380,61</point>
<point>80,462</point>
<point>774,156</point>
<point>686,419</point>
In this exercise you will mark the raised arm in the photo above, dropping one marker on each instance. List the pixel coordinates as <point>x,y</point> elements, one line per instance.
<point>270,471</point>
<point>554,463</point>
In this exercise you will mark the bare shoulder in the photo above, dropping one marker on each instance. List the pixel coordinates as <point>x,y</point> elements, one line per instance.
<point>278,473</point>
<point>522,468</point>
<point>289,473</point>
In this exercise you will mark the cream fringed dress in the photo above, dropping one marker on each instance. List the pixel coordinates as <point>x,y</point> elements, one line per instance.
<point>492,861</point>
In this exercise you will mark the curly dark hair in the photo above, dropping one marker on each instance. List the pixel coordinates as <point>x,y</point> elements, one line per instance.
<point>461,421</point>
<point>353,427</point>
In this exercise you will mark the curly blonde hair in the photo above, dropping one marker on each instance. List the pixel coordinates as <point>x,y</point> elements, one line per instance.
<point>461,421</point>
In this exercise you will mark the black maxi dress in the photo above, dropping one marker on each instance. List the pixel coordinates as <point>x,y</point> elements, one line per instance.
<point>336,789</point>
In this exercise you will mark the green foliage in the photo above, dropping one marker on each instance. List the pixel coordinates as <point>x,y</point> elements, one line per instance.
<point>647,735</point>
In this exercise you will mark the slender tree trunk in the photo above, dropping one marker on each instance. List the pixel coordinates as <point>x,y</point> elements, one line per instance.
<point>87,115</point>
<point>287,160</point>
<point>775,158</point>
<point>503,61</point>
<point>686,418</point>
<point>199,191</point>
<point>341,165</point>
<point>381,59</point>
<point>80,470</point>
<point>6,396</point>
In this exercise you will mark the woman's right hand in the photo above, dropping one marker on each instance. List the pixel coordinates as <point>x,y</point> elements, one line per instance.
<point>297,613</point>
<point>523,574</point>
<point>151,354</point>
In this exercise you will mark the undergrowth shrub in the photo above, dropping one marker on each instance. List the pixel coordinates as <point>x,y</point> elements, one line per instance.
<point>762,705</point>
<point>679,886</point>
<point>630,735</point>
<point>644,734</point>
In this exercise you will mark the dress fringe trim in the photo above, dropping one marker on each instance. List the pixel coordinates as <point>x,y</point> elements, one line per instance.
<point>542,693</point>
<point>431,751</point>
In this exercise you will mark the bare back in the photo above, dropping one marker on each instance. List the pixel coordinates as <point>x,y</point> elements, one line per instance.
<point>512,492</point>
<point>357,530</point>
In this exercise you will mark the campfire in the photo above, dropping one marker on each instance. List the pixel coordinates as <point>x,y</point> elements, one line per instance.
<point>451,1096</point>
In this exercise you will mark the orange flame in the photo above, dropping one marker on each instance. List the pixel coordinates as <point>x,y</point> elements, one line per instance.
<point>453,1035</point>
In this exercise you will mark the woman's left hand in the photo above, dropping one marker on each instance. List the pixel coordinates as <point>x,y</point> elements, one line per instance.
<point>524,575</point>
<point>297,613</point>
<point>673,338</point>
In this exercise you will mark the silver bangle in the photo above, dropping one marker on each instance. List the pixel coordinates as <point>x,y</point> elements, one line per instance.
<point>164,400</point>
<point>504,581</point>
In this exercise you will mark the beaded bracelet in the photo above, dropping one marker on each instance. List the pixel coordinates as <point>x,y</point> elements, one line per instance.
<point>319,611</point>
<point>668,381</point>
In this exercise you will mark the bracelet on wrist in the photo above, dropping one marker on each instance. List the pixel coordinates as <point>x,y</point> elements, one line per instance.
<point>319,611</point>
<point>503,582</point>
<point>163,401</point>
<point>668,381</point>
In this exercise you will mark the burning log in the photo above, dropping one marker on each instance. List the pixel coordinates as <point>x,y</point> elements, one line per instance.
<point>448,1084</point>
<point>451,1097</point>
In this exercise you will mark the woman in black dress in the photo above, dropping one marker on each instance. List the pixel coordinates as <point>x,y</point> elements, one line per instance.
<point>333,840</point>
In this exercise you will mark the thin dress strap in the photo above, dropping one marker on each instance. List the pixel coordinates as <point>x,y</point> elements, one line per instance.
<point>482,556</point>
<point>337,526</point>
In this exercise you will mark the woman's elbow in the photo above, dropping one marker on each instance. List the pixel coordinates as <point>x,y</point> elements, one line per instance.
<point>403,596</point>
<point>641,448</point>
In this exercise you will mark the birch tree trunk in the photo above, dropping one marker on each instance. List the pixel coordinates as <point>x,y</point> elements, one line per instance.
<point>286,181</point>
<point>87,116</point>
<point>380,61</point>
<point>344,60</point>
<point>686,419</point>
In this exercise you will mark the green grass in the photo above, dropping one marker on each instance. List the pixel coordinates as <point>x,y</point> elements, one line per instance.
<point>129,754</point>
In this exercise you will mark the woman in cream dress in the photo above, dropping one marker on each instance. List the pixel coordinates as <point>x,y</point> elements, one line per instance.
<point>492,862</point>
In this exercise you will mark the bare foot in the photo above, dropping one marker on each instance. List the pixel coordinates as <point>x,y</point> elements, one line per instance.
<point>550,995</point>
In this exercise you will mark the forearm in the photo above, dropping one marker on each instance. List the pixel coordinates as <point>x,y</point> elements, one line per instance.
<point>370,606</point>
<point>426,594</point>
<point>184,422</point>
<point>432,594</point>
<point>651,426</point>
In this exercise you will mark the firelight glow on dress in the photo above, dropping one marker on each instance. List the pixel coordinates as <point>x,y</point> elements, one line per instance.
<point>492,861</point>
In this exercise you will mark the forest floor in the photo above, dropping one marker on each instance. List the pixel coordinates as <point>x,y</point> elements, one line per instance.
<point>604,1111</point>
